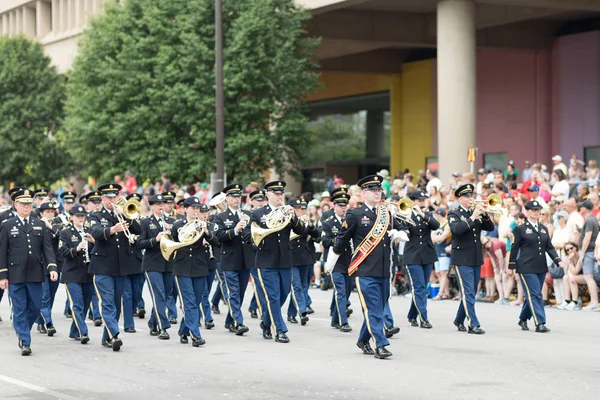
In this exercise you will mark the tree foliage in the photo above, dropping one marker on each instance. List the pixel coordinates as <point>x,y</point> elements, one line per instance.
<point>31,111</point>
<point>327,134</point>
<point>142,90</point>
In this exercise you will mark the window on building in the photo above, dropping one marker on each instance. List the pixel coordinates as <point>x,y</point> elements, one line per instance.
<point>591,153</point>
<point>495,161</point>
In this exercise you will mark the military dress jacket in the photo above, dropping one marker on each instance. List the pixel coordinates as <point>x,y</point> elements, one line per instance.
<point>153,260</point>
<point>236,254</point>
<point>420,249</point>
<point>75,270</point>
<point>303,247</point>
<point>528,252</point>
<point>466,237</point>
<point>194,260</point>
<point>330,229</point>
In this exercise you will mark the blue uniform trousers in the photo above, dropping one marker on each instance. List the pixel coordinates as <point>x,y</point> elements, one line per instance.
<point>26,300</point>
<point>48,293</point>
<point>341,283</point>
<point>418,276</point>
<point>172,303</point>
<point>468,278</point>
<point>109,290</point>
<point>259,295</point>
<point>67,306</point>
<point>159,284</point>
<point>94,311</point>
<point>298,299</point>
<point>534,303</point>
<point>190,292</point>
<point>131,295</point>
<point>306,284</point>
<point>388,318</point>
<point>206,312</point>
<point>275,284</point>
<point>236,283</point>
<point>220,292</point>
<point>373,294</point>
<point>253,303</point>
<point>80,296</point>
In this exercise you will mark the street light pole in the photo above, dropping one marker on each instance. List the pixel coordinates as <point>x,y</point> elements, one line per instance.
<point>219,106</point>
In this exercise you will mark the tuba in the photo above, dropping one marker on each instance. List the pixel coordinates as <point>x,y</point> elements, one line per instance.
<point>188,234</point>
<point>276,220</point>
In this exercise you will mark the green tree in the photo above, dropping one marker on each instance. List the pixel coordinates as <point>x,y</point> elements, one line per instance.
<point>31,111</point>
<point>327,134</point>
<point>142,89</point>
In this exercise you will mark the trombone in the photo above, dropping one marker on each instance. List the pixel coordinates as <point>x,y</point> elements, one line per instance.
<point>491,205</point>
<point>130,209</point>
<point>402,210</point>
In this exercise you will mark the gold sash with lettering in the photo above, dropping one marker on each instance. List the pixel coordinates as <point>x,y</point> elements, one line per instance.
<point>371,241</point>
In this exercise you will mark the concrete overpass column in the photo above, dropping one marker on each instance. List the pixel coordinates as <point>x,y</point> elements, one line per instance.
<point>375,134</point>
<point>456,73</point>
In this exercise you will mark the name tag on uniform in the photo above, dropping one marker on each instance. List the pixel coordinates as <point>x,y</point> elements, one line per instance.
<point>542,230</point>
<point>528,231</point>
<point>37,228</point>
<point>152,226</point>
<point>74,238</point>
<point>14,229</point>
<point>334,229</point>
<point>104,222</point>
<point>228,223</point>
<point>366,221</point>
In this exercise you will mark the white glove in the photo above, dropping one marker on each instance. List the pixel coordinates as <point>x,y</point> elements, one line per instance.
<point>396,235</point>
<point>331,260</point>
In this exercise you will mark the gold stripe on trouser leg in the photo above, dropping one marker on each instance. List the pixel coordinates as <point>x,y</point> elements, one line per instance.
<point>365,310</point>
<point>72,309</point>
<point>154,301</point>
<point>229,299</point>
<point>337,306</point>
<point>530,300</point>
<point>183,304</point>
<point>262,284</point>
<point>412,289</point>
<point>464,296</point>
<point>256,295</point>
<point>110,336</point>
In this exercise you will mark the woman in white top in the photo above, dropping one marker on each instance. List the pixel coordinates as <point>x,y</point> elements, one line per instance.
<point>560,190</point>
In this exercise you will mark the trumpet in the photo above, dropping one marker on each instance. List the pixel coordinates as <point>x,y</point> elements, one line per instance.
<point>491,205</point>
<point>130,209</point>
<point>402,210</point>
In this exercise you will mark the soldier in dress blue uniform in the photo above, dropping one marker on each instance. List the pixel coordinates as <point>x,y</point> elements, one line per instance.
<point>76,244</point>
<point>466,225</point>
<point>25,253</point>
<point>39,196</point>
<point>110,256</point>
<point>158,271</point>
<point>94,204</point>
<point>528,257</point>
<point>220,292</point>
<point>326,214</point>
<point>191,269</point>
<point>213,262</point>
<point>236,257</point>
<point>274,261</point>
<point>168,209</point>
<point>134,281</point>
<point>60,222</point>
<point>6,215</point>
<point>419,256</point>
<point>258,199</point>
<point>371,229</point>
<point>342,283</point>
<point>302,262</point>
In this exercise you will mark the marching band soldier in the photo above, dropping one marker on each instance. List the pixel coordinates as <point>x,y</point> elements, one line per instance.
<point>75,246</point>
<point>5,216</point>
<point>342,283</point>
<point>302,262</point>
<point>95,197</point>
<point>25,253</point>
<point>39,195</point>
<point>109,257</point>
<point>419,256</point>
<point>274,261</point>
<point>213,264</point>
<point>168,210</point>
<point>158,271</point>
<point>134,281</point>
<point>326,214</point>
<point>94,204</point>
<point>466,225</point>
<point>220,292</point>
<point>190,268</point>
<point>371,228</point>
<point>236,257</point>
<point>258,199</point>
<point>60,222</point>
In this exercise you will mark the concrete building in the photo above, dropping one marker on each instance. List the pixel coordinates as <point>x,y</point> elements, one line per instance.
<point>517,79</point>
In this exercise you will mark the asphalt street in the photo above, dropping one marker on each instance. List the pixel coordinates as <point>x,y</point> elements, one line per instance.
<point>319,362</point>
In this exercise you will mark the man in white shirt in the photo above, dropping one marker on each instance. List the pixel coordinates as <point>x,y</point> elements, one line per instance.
<point>433,180</point>
<point>558,164</point>
<point>575,220</point>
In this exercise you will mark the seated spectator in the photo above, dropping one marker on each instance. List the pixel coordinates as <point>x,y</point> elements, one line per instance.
<point>575,169</point>
<point>592,172</point>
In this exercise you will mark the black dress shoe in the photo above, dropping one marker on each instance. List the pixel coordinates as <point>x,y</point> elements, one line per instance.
<point>198,342</point>
<point>335,325</point>
<point>282,338</point>
<point>523,325</point>
<point>153,329</point>
<point>309,310</point>
<point>426,325</point>
<point>116,344</point>
<point>230,327</point>
<point>141,313</point>
<point>90,317</point>
<point>74,337</point>
<point>209,325</point>
<point>97,322</point>
<point>215,309</point>
<point>460,326</point>
<point>476,330</point>
<point>106,343</point>
<point>182,339</point>
<point>267,335</point>
<point>413,322</point>
<point>25,351</point>
<point>253,313</point>
<point>173,321</point>
<point>241,329</point>
<point>85,339</point>
<point>164,335</point>
<point>391,332</point>
<point>366,348</point>
<point>42,329</point>
<point>130,330</point>
<point>382,352</point>
<point>349,312</point>
<point>541,328</point>
<point>345,328</point>
<point>68,315</point>
<point>51,330</point>
<point>292,320</point>
<point>303,320</point>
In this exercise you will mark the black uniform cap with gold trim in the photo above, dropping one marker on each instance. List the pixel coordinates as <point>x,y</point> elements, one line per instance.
<point>295,202</point>
<point>341,199</point>
<point>156,199</point>
<point>180,202</point>
<point>22,196</point>
<point>370,182</point>
<point>46,206</point>
<point>233,190</point>
<point>193,201</point>
<point>169,196</point>
<point>464,190</point>
<point>94,197</point>
<point>84,199</point>
<point>40,192</point>
<point>136,196</point>
<point>78,210</point>
<point>342,189</point>
<point>109,190</point>
<point>275,186</point>
<point>68,197</point>
<point>258,195</point>
<point>533,205</point>
<point>418,195</point>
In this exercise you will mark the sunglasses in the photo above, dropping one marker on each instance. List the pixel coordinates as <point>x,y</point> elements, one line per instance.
<point>567,249</point>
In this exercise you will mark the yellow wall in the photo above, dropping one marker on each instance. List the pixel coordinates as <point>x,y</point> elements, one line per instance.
<point>411,107</point>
